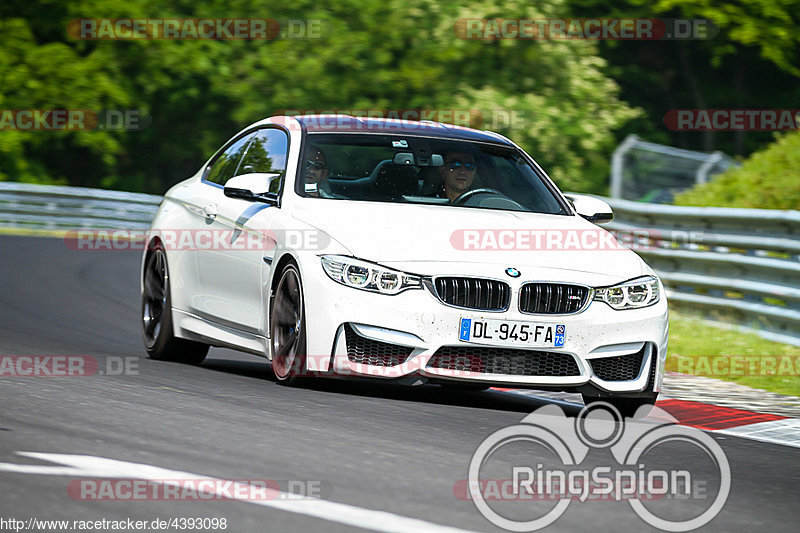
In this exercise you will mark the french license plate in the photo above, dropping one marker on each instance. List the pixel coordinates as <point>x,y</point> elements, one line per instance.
<point>512,333</point>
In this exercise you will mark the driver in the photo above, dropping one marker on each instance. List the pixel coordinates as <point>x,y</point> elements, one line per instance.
<point>457,174</point>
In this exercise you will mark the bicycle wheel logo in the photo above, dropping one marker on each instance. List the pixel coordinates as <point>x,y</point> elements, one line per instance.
<point>636,447</point>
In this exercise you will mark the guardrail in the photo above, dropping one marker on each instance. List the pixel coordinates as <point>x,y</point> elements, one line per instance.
<point>645,171</point>
<point>739,265</point>
<point>47,207</point>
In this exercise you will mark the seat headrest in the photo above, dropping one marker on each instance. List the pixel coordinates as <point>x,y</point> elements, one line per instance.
<point>393,180</point>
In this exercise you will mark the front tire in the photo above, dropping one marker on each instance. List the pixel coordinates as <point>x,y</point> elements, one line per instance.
<point>287,328</point>
<point>157,331</point>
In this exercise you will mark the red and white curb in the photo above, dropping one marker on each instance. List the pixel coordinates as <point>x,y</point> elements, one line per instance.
<point>764,427</point>
<point>717,419</point>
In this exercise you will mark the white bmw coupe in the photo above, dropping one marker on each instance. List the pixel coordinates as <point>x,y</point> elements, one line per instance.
<point>335,245</point>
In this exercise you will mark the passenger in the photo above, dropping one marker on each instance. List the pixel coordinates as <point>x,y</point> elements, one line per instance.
<point>316,174</point>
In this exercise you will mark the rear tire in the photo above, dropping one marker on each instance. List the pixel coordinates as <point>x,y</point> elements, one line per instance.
<point>627,407</point>
<point>157,330</point>
<point>288,329</point>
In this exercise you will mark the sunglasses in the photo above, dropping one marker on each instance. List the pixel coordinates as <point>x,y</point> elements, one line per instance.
<point>316,165</point>
<point>457,163</point>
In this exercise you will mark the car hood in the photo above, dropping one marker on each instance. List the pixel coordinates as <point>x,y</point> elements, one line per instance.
<point>403,235</point>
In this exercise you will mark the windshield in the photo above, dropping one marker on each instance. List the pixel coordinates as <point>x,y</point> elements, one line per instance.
<point>408,169</point>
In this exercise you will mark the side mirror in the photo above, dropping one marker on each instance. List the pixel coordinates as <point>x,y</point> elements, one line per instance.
<point>253,187</point>
<point>590,208</point>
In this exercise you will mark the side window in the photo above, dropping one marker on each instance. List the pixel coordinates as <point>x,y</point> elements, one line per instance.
<point>224,167</point>
<point>267,153</point>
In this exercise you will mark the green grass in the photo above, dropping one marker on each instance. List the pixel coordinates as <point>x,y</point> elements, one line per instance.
<point>690,336</point>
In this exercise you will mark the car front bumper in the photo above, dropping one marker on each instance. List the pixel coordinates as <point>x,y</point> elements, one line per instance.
<point>414,326</point>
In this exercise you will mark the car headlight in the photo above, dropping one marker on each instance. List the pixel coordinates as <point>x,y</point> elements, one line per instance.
<point>633,294</point>
<point>368,276</point>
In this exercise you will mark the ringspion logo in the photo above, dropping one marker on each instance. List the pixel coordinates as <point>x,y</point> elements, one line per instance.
<point>542,460</point>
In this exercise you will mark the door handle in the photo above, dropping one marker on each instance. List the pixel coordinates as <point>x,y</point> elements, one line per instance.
<point>210,212</point>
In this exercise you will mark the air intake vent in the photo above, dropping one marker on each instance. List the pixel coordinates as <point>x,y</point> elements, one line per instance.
<point>473,293</point>
<point>370,352</point>
<point>504,361</point>
<point>621,368</point>
<point>552,298</point>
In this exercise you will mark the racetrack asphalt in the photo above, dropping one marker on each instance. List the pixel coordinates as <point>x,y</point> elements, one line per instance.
<point>373,446</point>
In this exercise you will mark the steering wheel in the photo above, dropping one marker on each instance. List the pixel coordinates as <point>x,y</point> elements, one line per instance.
<point>464,198</point>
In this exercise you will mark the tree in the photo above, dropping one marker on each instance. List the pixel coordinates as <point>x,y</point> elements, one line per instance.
<point>751,63</point>
<point>369,54</point>
<point>769,179</point>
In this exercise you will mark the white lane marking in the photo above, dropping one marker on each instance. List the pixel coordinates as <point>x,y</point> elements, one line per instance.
<point>102,467</point>
<point>786,431</point>
<point>556,398</point>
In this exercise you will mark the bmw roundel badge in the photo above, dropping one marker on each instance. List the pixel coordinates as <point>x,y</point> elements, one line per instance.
<point>513,272</point>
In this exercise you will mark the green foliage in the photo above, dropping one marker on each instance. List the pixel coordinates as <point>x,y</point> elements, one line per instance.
<point>568,102</point>
<point>753,62</point>
<point>684,340</point>
<point>769,25</point>
<point>770,179</point>
<point>54,76</point>
<point>371,54</point>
